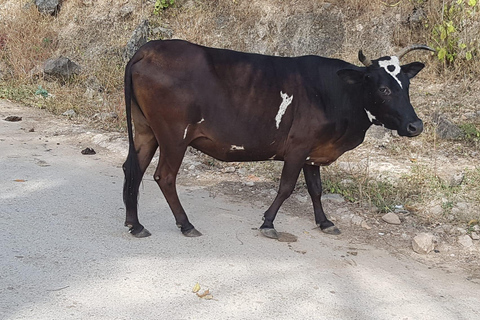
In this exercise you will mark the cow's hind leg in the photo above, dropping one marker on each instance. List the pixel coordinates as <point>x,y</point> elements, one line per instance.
<point>134,168</point>
<point>166,176</point>
<point>314,185</point>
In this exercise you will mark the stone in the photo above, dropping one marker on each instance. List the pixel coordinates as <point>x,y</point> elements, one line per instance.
<point>69,113</point>
<point>456,179</point>
<point>334,197</point>
<point>391,218</point>
<point>465,241</point>
<point>423,243</point>
<point>61,67</point>
<point>229,170</point>
<point>475,236</point>
<point>138,39</point>
<point>105,115</point>
<point>446,129</point>
<point>48,6</point>
<point>364,225</point>
<point>436,210</point>
<point>162,33</point>
<point>357,220</point>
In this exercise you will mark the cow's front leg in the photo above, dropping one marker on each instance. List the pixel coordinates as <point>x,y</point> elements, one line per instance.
<point>289,177</point>
<point>314,185</point>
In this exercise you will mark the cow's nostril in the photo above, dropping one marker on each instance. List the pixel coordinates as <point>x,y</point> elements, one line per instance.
<point>415,128</point>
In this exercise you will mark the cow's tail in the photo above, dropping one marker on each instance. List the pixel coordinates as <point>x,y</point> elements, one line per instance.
<point>131,167</point>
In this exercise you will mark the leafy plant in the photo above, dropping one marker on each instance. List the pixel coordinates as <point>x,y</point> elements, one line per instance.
<point>471,132</point>
<point>447,32</point>
<point>42,92</point>
<point>162,4</point>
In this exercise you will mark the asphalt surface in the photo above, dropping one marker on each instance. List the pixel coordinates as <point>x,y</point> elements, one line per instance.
<point>64,253</point>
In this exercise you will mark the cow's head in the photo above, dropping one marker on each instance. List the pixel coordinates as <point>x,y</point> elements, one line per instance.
<point>385,85</point>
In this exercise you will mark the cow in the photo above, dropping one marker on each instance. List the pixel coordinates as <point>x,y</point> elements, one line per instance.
<point>234,106</point>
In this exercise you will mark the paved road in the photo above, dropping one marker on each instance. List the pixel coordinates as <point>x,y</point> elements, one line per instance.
<point>64,253</point>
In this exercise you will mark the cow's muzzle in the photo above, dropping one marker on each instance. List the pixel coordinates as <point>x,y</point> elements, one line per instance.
<point>414,128</point>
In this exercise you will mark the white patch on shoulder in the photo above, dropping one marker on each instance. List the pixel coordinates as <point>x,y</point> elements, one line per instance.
<point>394,64</point>
<point>236,148</point>
<point>283,107</point>
<point>185,132</point>
<point>370,116</point>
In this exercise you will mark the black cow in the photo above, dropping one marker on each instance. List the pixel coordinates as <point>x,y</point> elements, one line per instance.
<point>234,106</point>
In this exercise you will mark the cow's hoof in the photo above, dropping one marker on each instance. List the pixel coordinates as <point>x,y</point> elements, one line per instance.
<point>192,233</point>
<point>333,230</point>
<point>269,233</point>
<point>140,234</point>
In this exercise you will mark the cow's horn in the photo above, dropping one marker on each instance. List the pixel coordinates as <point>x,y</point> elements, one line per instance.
<point>406,50</point>
<point>363,59</point>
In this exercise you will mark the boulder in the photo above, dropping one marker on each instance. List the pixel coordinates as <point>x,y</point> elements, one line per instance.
<point>138,39</point>
<point>446,129</point>
<point>61,67</point>
<point>48,6</point>
<point>391,218</point>
<point>465,241</point>
<point>423,243</point>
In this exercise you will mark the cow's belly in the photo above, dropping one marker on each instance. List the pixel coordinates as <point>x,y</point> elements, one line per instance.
<point>233,152</point>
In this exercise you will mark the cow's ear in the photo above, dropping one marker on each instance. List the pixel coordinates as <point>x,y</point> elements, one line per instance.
<point>412,69</point>
<point>351,76</point>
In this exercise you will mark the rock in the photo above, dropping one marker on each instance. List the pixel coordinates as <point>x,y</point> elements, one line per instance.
<point>229,170</point>
<point>364,225</point>
<point>461,210</point>
<point>475,236</point>
<point>423,243</point>
<point>69,113</point>
<point>436,210</point>
<point>300,198</point>
<point>391,218</point>
<point>48,6</point>
<point>465,241</point>
<point>357,220</point>
<point>417,16</point>
<point>334,197</point>
<point>446,129</point>
<point>61,67</point>
<point>138,39</point>
<point>13,118</point>
<point>105,115</point>
<point>88,151</point>
<point>162,33</point>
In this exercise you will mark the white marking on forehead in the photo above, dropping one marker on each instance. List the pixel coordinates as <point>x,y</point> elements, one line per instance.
<point>283,107</point>
<point>236,148</point>
<point>394,64</point>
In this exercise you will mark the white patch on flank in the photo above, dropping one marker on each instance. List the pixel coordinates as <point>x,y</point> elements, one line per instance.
<point>283,107</point>
<point>185,133</point>
<point>236,148</point>
<point>201,121</point>
<point>308,158</point>
<point>272,157</point>
<point>370,116</point>
<point>396,64</point>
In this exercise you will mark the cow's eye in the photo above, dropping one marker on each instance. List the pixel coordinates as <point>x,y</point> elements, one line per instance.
<point>385,91</point>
